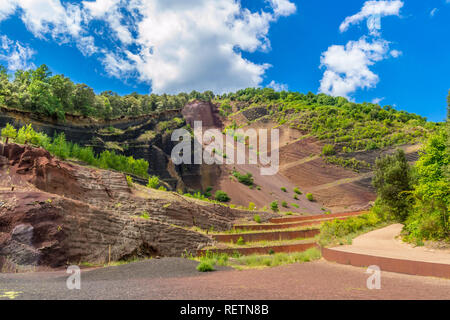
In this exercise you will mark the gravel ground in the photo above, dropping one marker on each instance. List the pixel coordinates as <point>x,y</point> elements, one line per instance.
<point>176,278</point>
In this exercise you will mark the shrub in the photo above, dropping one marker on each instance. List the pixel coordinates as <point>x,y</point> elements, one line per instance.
<point>283,189</point>
<point>284,204</point>
<point>221,196</point>
<point>240,241</point>
<point>153,182</point>
<point>257,218</point>
<point>246,179</point>
<point>9,132</point>
<point>295,197</point>
<point>251,206</point>
<point>162,188</point>
<point>328,150</point>
<point>129,181</point>
<point>310,197</point>
<point>205,266</point>
<point>145,215</point>
<point>274,206</point>
<point>295,205</point>
<point>297,191</point>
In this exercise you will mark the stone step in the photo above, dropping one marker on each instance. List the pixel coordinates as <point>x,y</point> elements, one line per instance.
<point>299,246</point>
<point>281,226</point>
<point>322,216</point>
<point>266,236</point>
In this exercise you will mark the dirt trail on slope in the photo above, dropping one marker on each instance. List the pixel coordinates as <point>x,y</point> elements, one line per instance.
<point>385,243</point>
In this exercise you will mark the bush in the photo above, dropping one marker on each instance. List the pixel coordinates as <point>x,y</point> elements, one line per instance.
<point>274,206</point>
<point>240,241</point>
<point>283,189</point>
<point>222,196</point>
<point>246,179</point>
<point>284,204</point>
<point>310,197</point>
<point>251,206</point>
<point>205,266</point>
<point>153,182</point>
<point>257,218</point>
<point>328,150</point>
<point>297,191</point>
<point>9,132</point>
<point>129,181</point>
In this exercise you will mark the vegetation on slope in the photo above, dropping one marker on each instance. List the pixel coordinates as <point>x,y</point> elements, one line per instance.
<point>63,149</point>
<point>339,232</point>
<point>419,197</point>
<point>55,96</point>
<point>345,126</point>
<point>210,259</point>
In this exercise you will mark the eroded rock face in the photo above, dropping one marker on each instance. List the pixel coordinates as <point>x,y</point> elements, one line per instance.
<point>203,111</point>
<point>54,213</point>
<point>131,139</point>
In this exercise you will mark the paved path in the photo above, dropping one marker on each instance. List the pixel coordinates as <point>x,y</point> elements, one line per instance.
<point>176,278</point>
<point>384,243</point>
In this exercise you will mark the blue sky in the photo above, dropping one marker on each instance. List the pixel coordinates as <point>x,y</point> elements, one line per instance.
<point>395,52</point>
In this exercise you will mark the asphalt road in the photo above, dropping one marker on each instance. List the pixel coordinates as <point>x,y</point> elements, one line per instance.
<point>176,278</point>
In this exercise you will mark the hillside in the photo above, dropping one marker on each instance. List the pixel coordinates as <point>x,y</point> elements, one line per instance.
<point>55,212</point>
<point>328,145</point>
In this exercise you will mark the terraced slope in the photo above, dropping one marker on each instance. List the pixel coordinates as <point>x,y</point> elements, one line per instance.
<point>290,234</point>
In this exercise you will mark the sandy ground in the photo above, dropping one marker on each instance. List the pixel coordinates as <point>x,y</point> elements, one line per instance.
<point>385,243</point>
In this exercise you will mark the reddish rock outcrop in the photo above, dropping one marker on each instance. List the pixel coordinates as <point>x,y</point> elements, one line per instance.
<point>54,213</point>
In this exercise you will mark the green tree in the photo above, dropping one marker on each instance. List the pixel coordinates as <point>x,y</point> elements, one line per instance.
<point>393,183</point>
<point>274,206</point>
<point>84,99</point>
<point>9,132</point>
<point>430,218</point>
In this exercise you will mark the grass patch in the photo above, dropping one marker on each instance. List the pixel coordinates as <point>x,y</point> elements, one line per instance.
<point>340,232</point>
<point>205,266</point>
<point>256,261</point>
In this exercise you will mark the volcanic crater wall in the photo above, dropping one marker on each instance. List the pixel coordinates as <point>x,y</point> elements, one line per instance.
<point>143,137</point>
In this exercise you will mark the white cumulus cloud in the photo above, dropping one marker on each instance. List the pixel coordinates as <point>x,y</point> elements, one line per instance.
<point>283,7</point>
<point>347,67</point>
<point>373,9</point>
<point>174,45</point>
